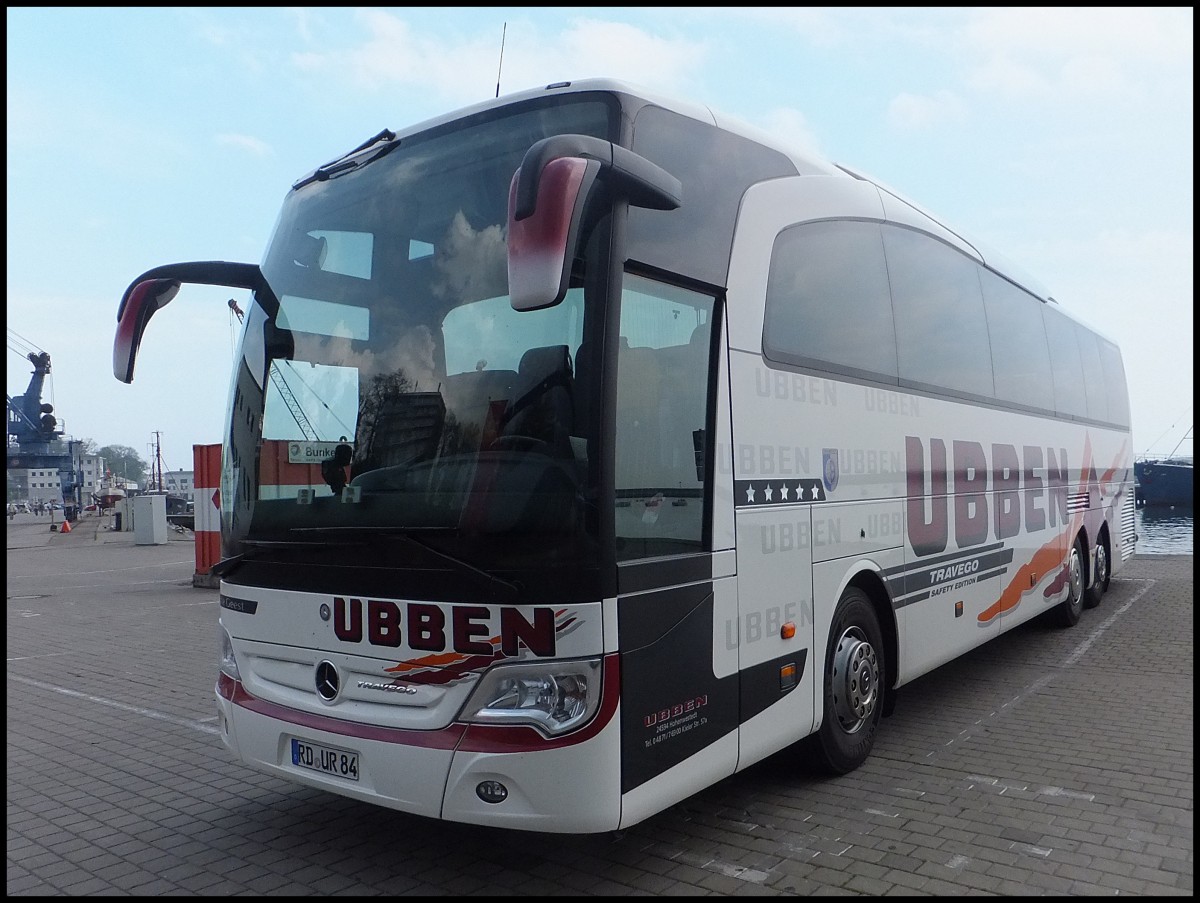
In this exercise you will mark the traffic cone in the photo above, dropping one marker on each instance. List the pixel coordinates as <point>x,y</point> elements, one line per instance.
<point>66,526</point>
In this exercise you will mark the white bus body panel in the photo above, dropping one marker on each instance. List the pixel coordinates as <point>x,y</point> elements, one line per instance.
<point>681,781</point>
<point>901,211</point>
<point>264,743</point>
<point>775,588</point>
<point>574,788</point>
<point>766,209</point>
<point>410,756</point>
<point>724,529</point>
<point>772,464</point>
<point>726,633</point>
<point>789,426</point>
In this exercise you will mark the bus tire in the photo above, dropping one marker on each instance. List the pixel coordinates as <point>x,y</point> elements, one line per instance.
<point>1067,612</point>
<point>853,697</point>
<point>1095,591</point>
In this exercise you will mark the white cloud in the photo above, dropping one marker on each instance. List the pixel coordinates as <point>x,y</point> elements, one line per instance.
<point>1072,52</point>
<point>790,127</point>
<point>591,48</point>
<point>817,23</point>
<point>463,68</point>
<point>1132,285</point>
<point>849,27</point>
<point>306,21</point>
<point>1046,53</point>
<point>393,54</point>
<point>1137,36</point>
<point>26,120</point>
<point>245,142</point>
<point>912,111</point>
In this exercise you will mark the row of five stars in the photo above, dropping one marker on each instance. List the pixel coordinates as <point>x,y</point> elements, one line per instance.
<point>813,490</point>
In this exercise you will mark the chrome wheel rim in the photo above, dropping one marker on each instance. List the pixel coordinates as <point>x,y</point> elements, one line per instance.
<point>1076,575</point>
<point>854,680</point>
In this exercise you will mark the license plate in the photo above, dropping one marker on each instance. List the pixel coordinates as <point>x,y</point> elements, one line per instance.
<point>340,763</point>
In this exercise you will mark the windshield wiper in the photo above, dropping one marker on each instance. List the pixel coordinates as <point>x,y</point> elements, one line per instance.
<point>299,543</point>
<point>408,535</point>
<point>232,563</point>
<point>367,152</point>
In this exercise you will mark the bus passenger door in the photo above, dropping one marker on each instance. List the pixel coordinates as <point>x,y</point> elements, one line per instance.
<point>773,523</point>
<point>782,423</point>
<point>676,611</point>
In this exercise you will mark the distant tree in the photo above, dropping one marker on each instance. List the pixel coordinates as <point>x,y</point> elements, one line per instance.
<point>123,462</point>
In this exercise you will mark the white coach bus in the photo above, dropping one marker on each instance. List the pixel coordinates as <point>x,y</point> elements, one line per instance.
<point>585,448</point>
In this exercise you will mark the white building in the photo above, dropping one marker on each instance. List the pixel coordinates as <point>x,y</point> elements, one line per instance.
<point>180,482</point>
<point>43,484</point>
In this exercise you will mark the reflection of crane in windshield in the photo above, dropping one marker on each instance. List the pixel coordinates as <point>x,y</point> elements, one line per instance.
<point>283,387</point>
<point>293,406</point>
<point>284,390</point>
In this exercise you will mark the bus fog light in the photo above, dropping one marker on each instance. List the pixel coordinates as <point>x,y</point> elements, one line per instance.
<point>491,791</point>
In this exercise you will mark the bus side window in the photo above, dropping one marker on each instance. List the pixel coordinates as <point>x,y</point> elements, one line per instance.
<point>662,402</point>
<point>639,404</point>
<point>686,376</point>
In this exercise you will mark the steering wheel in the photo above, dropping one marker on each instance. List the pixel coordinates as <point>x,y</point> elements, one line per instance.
<point>518,443</point>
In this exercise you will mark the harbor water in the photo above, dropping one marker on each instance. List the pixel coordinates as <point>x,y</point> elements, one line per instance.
<point>1164,530</point>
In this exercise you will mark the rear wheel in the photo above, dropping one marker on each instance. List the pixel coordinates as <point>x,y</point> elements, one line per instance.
<point>1095,591</point>
<point>1067,612</point>
<point>854,675</point>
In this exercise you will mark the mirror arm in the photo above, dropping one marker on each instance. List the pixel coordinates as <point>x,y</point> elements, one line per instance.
<point>155,288</point>
<point>204,272</point>
<point>643,183</point>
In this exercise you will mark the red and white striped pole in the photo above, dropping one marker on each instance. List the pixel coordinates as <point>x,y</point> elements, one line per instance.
<point>207,463</point>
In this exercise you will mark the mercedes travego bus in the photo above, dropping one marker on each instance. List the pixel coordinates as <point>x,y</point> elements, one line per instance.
<point>585,448</point>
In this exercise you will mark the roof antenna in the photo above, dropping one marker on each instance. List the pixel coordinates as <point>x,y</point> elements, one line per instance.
<point>502,32</point>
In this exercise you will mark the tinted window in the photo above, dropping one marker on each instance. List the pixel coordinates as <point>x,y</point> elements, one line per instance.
<point>1065,362</point>
<point>1020,356</point>
<point>398,360</point>
<point>827,300</point>
<point>941,331</point>
<point>662,401</point>
<point>715,168</point>
<point>1093,374</point>
<point>1114,381</point>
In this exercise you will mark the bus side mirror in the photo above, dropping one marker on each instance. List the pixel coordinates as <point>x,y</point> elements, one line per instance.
<point>155,288</point>
<point>545,206</point>
<point>138,305</point>
<point>540,246</point>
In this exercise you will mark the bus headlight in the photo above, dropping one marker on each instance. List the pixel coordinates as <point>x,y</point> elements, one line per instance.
<point>228,660</point>
<point>555,697</point>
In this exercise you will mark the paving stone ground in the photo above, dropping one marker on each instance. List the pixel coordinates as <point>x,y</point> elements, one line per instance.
<point>1049,762</point>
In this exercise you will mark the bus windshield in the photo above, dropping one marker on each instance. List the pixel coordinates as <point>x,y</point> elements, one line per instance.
<point>386,383</point>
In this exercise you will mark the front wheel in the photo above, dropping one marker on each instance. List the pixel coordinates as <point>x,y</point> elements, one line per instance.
<point>853,698</point>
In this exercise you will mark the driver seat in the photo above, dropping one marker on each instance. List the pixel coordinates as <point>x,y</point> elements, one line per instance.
<point>543,407</point>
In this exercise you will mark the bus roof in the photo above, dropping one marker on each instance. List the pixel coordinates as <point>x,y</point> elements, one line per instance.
<point>806,162</point>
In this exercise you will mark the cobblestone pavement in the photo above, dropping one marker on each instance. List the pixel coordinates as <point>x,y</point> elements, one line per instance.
<point>1049,762</point>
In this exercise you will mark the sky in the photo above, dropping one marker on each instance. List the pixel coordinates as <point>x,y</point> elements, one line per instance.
<point>143,136</point>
